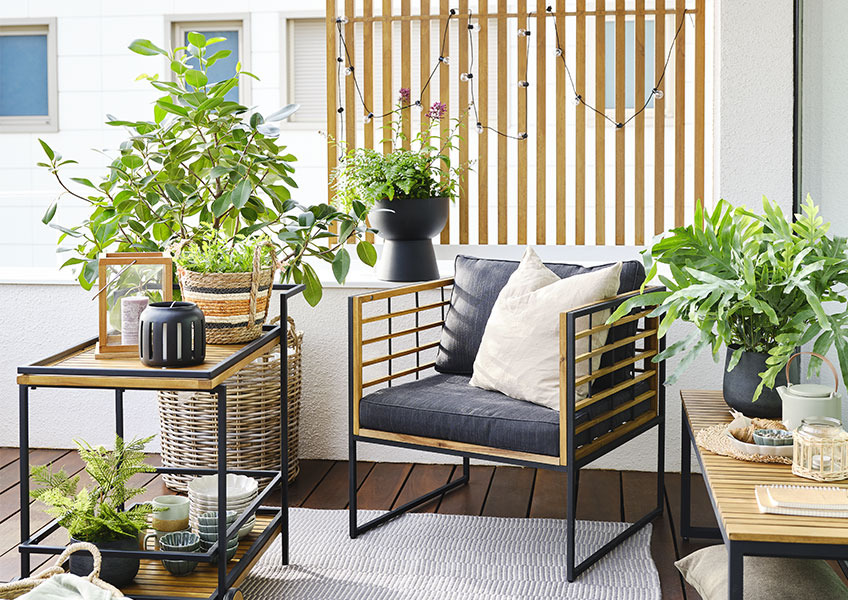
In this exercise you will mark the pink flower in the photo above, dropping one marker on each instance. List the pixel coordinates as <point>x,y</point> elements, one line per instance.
<point>437,111</point>
<point>404,96</point>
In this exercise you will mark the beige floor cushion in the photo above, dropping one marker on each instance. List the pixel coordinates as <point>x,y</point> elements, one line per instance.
<point>764,578</point>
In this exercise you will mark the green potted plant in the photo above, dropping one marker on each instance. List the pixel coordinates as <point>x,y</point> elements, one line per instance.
<point>408,191</point>
<point>96,514</point>
<point>203,164</point>
<point>756,284</point>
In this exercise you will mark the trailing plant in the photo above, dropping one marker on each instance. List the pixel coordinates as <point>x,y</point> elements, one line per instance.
<point>420,169</point>
<point>203,162</point>
<point>95,514</point>
<point>754,283</point>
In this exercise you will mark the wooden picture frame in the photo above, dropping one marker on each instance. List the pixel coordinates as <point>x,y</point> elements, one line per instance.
<point>109,345</point>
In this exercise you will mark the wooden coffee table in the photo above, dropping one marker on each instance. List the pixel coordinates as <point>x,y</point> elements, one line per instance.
<point>746,531</point>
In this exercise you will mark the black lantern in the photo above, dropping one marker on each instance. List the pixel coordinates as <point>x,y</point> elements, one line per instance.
<point>172,334</point>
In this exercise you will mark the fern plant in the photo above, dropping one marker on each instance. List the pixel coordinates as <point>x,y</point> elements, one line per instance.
<point>95,514</point>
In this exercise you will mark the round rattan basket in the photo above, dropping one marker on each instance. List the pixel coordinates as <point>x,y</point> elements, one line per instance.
<point>235,304</point>
<point>188,420</point>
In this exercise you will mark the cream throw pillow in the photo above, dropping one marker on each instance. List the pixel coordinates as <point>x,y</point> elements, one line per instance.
<point>519,352</point>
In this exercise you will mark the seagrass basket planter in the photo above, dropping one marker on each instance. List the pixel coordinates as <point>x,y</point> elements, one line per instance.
<point>188,420</point>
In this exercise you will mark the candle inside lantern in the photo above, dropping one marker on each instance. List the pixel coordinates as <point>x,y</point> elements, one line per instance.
<point>131,309</point>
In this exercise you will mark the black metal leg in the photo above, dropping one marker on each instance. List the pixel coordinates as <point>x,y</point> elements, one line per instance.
<point>570,521</point>
<point>466,467</point>
<point>661,465</point>
<point>351,477</point>
<point>222,490</point>
<point>685,476</point>
<point>284,429</point>
<point>119,412</point>
<point>23,412</point>
<point>735,562</point>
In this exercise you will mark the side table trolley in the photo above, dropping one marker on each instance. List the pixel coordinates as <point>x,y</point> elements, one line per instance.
<point>76,367</point>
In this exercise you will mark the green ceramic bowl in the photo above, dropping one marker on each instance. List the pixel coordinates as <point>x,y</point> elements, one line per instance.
<point>772,437</point>
<point>211,518</point>
<point>180,541</point>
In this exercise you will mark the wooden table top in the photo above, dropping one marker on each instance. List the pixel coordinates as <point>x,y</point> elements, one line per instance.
<point>731,483</point>
<point>78,367</point>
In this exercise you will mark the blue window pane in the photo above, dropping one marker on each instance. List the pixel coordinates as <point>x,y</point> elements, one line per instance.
<point>629,64</point>
<point>225,67</point>
<point>23,75</point>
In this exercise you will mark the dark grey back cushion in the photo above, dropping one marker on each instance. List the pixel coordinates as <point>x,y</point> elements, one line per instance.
<point>477,283</point>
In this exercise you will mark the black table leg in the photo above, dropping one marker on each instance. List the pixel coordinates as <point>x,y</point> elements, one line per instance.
<point>734,571</point>
<point>23,416</point>
<point>284,429</point>
<point>119,412</point>
<point>685,476</point>
<point>222,491</point>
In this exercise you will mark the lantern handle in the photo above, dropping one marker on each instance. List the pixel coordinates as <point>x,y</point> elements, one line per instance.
<point>823,359</point>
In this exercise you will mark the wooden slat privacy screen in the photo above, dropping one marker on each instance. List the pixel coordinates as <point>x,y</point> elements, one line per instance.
<point>576,179</point>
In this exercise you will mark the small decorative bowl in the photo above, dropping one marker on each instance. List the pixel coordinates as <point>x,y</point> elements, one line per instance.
<point>210,518</point>
<point>180,541</point>
<point>772,437</point>
<point>232,547</point>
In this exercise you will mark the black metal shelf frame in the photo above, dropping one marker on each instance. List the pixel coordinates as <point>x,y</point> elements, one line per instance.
<point>31,543</point>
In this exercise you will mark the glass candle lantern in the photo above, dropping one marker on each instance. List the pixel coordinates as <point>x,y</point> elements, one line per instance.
<point>129,281</point>
<point>820,449</point>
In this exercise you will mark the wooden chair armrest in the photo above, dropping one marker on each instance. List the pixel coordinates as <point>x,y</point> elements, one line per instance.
<point>403,290</point>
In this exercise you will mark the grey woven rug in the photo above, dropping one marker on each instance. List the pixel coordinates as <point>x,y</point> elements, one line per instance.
<point>424,556</point>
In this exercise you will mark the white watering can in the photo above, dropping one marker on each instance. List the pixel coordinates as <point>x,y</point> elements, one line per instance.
<point>803,400</point>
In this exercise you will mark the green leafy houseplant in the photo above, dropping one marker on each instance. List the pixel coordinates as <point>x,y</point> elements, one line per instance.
<point>421,169</point>
<point>203,163</point>
<point>94,514</point>
<point>753,283</point>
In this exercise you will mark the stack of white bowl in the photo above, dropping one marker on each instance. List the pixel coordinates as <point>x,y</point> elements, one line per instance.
<point>203,497</point>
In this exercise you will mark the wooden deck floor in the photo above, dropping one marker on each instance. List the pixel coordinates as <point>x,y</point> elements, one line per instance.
<point>495,491</point>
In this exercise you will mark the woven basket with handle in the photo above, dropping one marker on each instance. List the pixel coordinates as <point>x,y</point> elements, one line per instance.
<point>235,304</point>
<point>8,591</point>
<point>188,420</point>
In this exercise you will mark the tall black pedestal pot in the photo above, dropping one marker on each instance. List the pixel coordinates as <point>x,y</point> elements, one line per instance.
<point>408,226</point>
<point>742,381</point>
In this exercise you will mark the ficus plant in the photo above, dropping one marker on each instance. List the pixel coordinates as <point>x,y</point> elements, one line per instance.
<point>203,166</point>
<point>751,282</point>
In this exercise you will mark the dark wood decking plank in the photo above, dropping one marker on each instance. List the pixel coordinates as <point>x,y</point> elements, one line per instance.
<point>332,492</point>
<point>8,456</point>
<point>423,479</point>
<point>10,475</point>
<point>549,495</point>
<point>311,474</point>
<point>599,496</point>
<point>470,498</point>
<point>640,496</point>
<point>510,492</point>
<point>382,486</point>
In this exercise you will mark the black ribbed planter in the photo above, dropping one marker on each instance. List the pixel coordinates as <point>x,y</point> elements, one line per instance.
<point>408,226</point>
<point>117,570</point>
<point>172,334</point>
<point>741,383</point>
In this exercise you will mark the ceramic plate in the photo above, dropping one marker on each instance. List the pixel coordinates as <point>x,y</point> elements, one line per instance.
<point>761,450</point>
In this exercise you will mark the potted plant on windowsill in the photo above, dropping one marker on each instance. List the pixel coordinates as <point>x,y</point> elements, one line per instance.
<point>757,285</point>
<point>96,514</point>
<point>408,191</point>
<point>203,164</point>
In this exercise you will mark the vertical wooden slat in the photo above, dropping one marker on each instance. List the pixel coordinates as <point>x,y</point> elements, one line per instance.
<point>482,87</point>
<point>541,126</point>
<point>620,100</point>
<point>353,110</point>
<point>561,104</point>
<point>639,124</point>
<point>503,90</point>
<point>600,129</point>
<point>388,92</point>
<point>426,66</point>
<point>580,135</point>
<point>523,42</point>
<point>700,82</point>
<point>679,117</point>
<point>367,76</point>
<point>332,85</point>
<point>462,27</point>
<point>659,121</point>
<point>444,93</point>
<point>406,68</point>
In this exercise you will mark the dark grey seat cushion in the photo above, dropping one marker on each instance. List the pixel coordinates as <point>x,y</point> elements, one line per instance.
<point>445,406</point>
<point>477,283</point>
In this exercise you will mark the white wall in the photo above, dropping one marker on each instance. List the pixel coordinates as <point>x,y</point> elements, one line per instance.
<point>753,155</point>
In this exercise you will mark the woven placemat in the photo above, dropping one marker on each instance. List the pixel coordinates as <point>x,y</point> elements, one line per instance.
<point>714,439</point>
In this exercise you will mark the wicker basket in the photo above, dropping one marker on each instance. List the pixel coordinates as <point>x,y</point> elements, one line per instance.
<point>188,420</point>
<point>235,304</point>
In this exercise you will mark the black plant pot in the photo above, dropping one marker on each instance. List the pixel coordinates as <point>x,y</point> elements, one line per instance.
<point>118,571</point>
<point>408,226</point>
<point>741,383</point>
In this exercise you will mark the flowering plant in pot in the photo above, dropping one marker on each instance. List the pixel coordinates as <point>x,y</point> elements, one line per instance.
<point>203,164</point>
<point>96,514</point>
<point>408,191</point>
<point>757,284</point>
